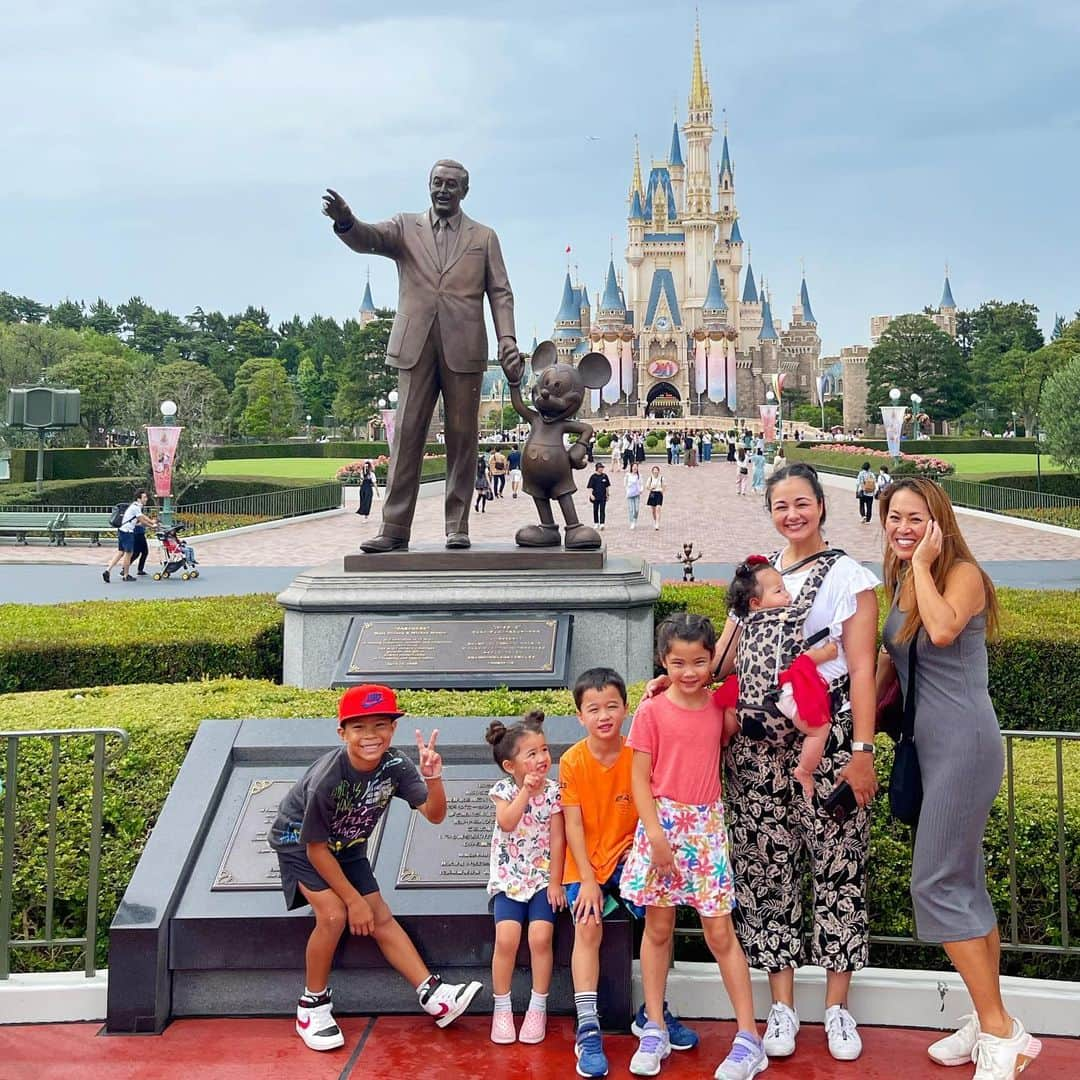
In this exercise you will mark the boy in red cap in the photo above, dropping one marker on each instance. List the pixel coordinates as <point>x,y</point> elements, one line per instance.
<point>320,836</point>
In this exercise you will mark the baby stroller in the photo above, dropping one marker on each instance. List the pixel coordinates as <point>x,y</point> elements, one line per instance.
<point>177,556</point>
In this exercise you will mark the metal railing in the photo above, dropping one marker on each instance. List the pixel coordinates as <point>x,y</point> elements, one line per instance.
<point>292,502</point>
<point>7,855</point>
<point>1002,500</point>
<point>1011,939</point>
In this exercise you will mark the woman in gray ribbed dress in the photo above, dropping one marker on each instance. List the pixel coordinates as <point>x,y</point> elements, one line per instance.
<point>938,592</point>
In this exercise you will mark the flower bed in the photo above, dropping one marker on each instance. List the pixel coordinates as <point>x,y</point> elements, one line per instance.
<point>844,456</point>
<point>353,473</point>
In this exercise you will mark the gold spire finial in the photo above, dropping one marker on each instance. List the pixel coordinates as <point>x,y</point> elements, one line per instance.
<point>698,88</point>
<point>637,185</point>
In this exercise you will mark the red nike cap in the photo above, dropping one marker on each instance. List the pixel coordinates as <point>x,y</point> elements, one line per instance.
<point>368,699</point>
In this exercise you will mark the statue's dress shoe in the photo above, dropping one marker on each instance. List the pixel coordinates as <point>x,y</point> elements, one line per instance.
<point>458,540</point>
<point>581,538</point>
<point>537,536</point>
<point>381,543</point>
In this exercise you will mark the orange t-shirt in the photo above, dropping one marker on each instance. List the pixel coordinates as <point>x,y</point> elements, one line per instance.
<point>607,807</point>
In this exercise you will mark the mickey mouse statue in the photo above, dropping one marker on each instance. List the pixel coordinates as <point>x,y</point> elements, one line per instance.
<point>546,464</point>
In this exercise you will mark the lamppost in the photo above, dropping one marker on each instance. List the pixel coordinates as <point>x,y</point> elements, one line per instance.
<point>916,427</point>
<point>502,409</point>
<point>168,418</point>
<point>308,418</point>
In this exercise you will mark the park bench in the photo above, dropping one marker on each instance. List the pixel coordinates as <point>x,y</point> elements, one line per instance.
<point>82,521</point>
<point>29,521</point>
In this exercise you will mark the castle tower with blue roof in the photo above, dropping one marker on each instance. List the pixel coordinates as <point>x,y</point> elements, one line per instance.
<point>689,332</point>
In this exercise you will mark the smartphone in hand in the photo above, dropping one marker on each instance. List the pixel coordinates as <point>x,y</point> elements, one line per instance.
<point>841,802</point>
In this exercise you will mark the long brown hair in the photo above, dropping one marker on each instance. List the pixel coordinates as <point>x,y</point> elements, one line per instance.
<point>954,549</point>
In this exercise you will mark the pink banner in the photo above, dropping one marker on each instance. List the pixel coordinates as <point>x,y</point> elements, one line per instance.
<point>716,370</point>
<point>893,418</point>
<point>627,368</point>
<point>162,443</point>
<point>731,379</point>
<point>388,416</point>
<point>768,421</point>
<point>701,368</point>
<point>610,392</point>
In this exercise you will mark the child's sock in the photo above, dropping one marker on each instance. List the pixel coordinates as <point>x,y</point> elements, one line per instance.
<point>538,1002</point>
<point>427,986</point>
<point>586,1008</point>
<point>502,1003</point>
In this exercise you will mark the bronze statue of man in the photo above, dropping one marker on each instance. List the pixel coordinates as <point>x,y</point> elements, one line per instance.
<point>446,263</point>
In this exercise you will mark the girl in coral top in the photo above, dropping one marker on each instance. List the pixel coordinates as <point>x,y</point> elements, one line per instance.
<point>680,847</point>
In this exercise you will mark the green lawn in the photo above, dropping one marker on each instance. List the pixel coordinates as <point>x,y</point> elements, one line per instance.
<point>982,466</point>
<point>279,468</point>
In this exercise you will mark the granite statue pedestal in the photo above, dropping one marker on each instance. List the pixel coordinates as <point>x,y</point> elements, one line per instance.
<point>190,940</point>
<point>610,602</point>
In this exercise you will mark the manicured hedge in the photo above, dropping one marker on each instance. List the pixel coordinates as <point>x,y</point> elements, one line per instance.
<point>942,445</point>
<point>161,721</point>
<point>102,642</point>
<point>1051,483</point>
<point>235,451</point>
<point>1035,660</point>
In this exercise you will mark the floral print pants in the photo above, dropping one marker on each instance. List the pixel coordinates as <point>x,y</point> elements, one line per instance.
<point>777,838</point>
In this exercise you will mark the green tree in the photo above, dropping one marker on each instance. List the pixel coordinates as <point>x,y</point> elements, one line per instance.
<point>239,400</point>
<point>1003,336</point>
<point>29,311</point>
<point>252,338</point>
<point>1060,414</point>
<point>914,356</point>
<point>102,382</point>
<point>362,376</point>
<point>311,388</point>
<point>68,314</point>
<point>271,409</point>
<point>8,308</point>
<point>102,317</point>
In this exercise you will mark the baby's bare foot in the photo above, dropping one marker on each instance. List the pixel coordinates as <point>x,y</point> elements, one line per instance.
<point>807,781</point>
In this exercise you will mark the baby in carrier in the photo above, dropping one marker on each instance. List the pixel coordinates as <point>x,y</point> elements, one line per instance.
<point>797,692</point>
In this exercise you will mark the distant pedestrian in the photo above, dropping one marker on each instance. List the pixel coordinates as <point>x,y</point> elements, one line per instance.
<point>676,448</point>
<point>632,482</point>
<point>690,447</point>
<point>639,448</point>
<point>598,486</point>
<point>706,446</point>
<point>742,476</point>
<point>483,485</point>
<point>865,490</point>
<point>627,450</point>
<point>884,479</point>
<point>731,446</point>
<point>513,464</point>
<point>654,486</point>
<point>616,452</point>
<point>367,489</point>
<point>125,536</point>
<point>667,446</point>
<point>498,465</point>
<point>757,479</point>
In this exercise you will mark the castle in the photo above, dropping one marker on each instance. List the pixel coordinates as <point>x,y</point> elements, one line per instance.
<point>683,339</point>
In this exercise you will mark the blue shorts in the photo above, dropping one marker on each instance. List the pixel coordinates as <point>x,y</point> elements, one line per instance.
<point>125,541</point>
<point>535,909</point>
<point>609,889</point>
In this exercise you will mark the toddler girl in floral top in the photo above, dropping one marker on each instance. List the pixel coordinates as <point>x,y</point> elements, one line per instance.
<point>527,849</point>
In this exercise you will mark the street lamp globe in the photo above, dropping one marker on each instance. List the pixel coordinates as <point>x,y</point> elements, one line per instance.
<point>894,394</point>
<point>770,397</point>
<point>168,409</point>
<point>916,400</point>
<point>382,403</point>
<point>393,398</point>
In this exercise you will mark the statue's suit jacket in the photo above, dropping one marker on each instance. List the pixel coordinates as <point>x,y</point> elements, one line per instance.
<point>454,292</point>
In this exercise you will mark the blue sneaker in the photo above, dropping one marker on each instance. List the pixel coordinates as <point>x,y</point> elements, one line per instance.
<point>589,1051</point>
<point>679,1035</point>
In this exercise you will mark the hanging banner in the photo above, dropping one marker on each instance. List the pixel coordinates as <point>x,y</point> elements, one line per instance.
<point>388,416</point>
<point>716,370</point>
<point>893,418</point>
<point>701,367</point>
<point>777,382</point>
<point>162,442</point>
<point>819,382</point>
<point>611,391</point>
<point>768,421</point>
<point>732,397</point>
<point>627,368</point>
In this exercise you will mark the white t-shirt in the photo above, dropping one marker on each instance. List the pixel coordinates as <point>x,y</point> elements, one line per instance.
<point>633,484</point>
<point>131,516</point>
<point>833,605</point>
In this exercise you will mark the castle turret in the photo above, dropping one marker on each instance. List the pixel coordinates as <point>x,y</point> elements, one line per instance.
<point>567,334</point>
<point>367,305</point>
<point>699,224</point>
<point>804,304</point>
<point>677,169</point>
<point>947,302</point>
<point>768,330</point>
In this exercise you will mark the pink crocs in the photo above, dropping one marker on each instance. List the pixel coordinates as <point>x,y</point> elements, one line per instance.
<point>533,1027</point>
<point>502,1028</point>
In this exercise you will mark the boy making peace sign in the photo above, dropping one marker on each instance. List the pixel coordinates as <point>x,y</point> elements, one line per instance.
<point>320,836</point>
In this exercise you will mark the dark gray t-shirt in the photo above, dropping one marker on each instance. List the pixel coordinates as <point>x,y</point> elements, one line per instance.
<point>335,803</point>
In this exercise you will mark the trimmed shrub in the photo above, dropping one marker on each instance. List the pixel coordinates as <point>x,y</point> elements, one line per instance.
<point>1068,517</point>
<point>942,445</point>
<point>235,451</point>
<point>101,643</point>
<point>1051,483</point>
<point>162,720</point>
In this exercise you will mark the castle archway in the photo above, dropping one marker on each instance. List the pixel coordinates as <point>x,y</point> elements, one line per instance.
<point>663,402</point>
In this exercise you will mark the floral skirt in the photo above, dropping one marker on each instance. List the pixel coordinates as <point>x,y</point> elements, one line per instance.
<point>702,880</point>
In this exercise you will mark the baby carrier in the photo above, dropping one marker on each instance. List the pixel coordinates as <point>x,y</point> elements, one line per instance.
<point>771,639</point>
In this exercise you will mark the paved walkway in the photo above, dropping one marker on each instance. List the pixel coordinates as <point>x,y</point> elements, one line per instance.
<point>700,506</point>
<point>379,1048</point>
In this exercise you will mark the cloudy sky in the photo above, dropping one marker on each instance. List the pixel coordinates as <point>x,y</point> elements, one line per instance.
<point>178,151</point>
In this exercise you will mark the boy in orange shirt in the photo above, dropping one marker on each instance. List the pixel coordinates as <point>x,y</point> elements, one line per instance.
<point>600,819</point>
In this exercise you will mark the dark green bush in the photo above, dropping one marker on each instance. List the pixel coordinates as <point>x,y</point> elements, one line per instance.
<point>941,445</point>
<point>1051,483</point>
<point>235,451</point>
<point>101,643</point>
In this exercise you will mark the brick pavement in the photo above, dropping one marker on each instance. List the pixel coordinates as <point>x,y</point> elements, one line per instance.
<point>700,505</point>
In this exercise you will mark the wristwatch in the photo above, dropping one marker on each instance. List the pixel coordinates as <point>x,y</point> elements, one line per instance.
<point>868,747</point>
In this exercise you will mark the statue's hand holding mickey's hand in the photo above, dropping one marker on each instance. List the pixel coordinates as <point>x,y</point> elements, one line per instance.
<point>510,359</point>
<point>336,208</point>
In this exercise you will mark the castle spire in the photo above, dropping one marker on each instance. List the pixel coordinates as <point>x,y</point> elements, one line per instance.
<point>749,294</point>
<point>714,299</point>
<point>947,302</point>
<point>570,308</point>
<point>675,156</point>
<point>768,331</point>
<point>804,300</point>
<point>636,184</point>
<point>699,88</point>
<point>736,236</point>
<point>367,305</point>
<point>611,300</point>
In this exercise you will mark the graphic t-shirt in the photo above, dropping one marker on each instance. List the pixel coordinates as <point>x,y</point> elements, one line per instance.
<point>520,863</point>
<point>608,814</point>
<point>598,485</point>
<point>335,803</point>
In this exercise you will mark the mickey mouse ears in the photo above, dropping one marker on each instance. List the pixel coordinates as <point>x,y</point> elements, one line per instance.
<point>594,368</point>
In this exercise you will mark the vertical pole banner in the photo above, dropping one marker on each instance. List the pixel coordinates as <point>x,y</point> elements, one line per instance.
<point>768,421</point>
<point>701,368</point>
<point>731,376</point>
<point>614,388</point>
<point>388,416</point>
<point>893,418</point>
<point>162,442</point>
<point>627,367</point>
<point>819,382</point>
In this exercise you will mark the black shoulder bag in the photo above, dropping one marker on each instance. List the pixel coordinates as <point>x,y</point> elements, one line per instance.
<point>905,783</point>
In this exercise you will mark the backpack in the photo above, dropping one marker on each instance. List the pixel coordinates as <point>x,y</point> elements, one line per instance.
<point>869,484</point>
<point>116,518</point>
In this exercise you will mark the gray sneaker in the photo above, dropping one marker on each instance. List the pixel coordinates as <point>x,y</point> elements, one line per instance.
<point>652,1048</point>
<point>746,1059</point>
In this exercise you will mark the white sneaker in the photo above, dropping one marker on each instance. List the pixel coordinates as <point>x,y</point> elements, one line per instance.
<point>844,1041</point>
<point>959,1047</point>
<point>1005,1059</point>
<point>315,1023</point>
<point>653,1047</point>
<point>780,1031</point>
<point>447,1001</point>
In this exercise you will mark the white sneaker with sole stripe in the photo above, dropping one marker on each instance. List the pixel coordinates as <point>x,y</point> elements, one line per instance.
<point>959,1047</point>
<point>315,1023</point>
<point>447,1001</point>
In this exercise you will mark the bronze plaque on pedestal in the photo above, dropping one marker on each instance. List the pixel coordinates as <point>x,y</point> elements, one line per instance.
<point>456,853</point>
<point>468,650</point>
<point>250,863</point>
